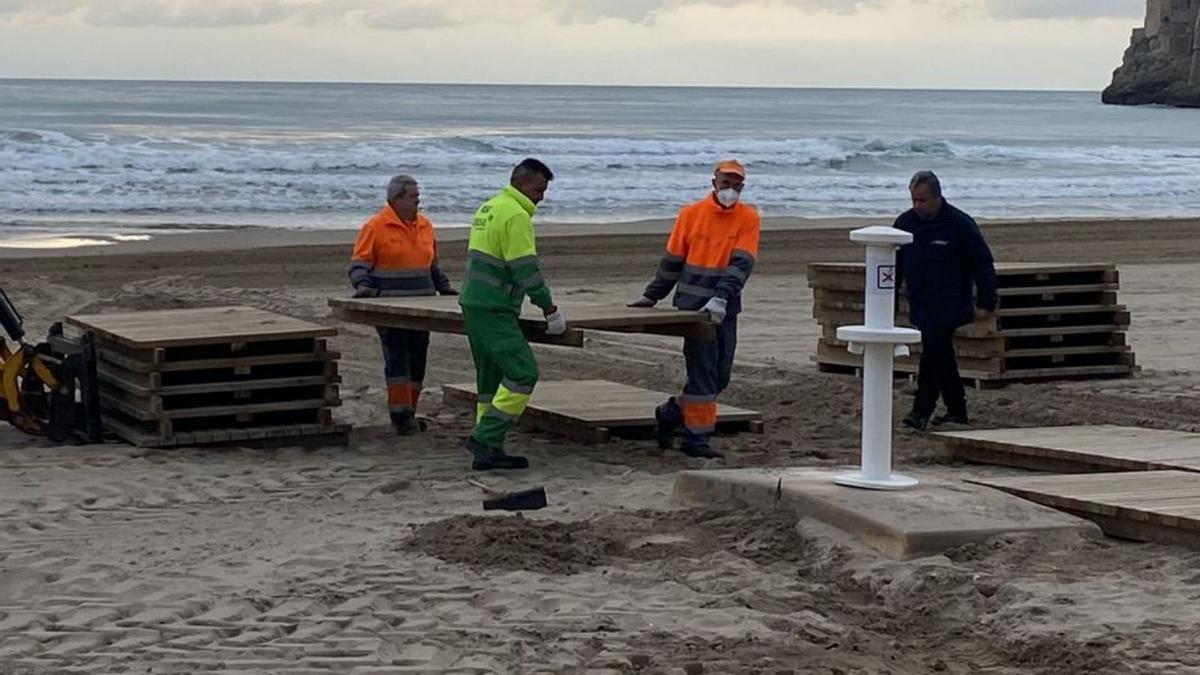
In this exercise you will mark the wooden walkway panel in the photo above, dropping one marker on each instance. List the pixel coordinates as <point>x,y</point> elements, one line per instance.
<point>594,410</point>
<point>1077,449</point>
<point>1158,506</point>
<point>442,314</point>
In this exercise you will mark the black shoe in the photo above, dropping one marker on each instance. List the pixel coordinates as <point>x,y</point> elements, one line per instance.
<point>406,424</point>
<point>664,432</point>
<point>489,459</point>
<point>950,419</point>
<point>701,451</point>
<point>915,421</point>
<point>500,462</point>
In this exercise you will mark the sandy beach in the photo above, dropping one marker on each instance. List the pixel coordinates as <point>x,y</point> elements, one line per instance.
<point>375,558</point>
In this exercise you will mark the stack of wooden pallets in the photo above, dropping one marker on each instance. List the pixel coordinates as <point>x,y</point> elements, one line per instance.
<point>216,375</point>
<point>1055,321</point>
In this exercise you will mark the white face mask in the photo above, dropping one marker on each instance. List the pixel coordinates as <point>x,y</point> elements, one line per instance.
<point>728,197</point>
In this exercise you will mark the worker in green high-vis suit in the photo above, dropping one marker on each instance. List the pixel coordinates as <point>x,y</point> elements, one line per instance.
<point>502,269</point>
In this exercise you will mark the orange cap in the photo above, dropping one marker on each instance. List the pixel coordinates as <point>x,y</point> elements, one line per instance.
<point>730,166</point>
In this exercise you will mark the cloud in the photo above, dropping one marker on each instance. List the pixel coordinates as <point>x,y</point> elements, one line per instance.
<point>382,14</point>
<point>407,15</point>
<point>1048,9</point>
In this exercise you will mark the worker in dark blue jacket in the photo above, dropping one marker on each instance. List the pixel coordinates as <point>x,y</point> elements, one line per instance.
<point>938,269</point>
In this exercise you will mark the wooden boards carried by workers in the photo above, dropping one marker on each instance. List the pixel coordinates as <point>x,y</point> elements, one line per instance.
<point>1055,321</point>
<point>441,314</point>
<point>594,410</point>
<point>215,375</point>
<point>1078,449</point>
<point>1159,506</point>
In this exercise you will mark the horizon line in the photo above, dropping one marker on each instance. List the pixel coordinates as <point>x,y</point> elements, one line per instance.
<point>158,80</point>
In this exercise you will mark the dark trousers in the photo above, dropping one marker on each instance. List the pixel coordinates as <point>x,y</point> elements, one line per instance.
<point>404,357</point>
<point>938,374</point>
<point>709,366</point>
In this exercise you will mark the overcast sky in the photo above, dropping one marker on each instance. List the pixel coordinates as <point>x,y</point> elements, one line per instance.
<point>1020,44</point>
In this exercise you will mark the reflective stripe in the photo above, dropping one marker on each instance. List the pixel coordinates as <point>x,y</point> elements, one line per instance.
<point>475,254</point>
<point>700,431</point>
<point>704,271</point>
<point>493,411</point>
<point>741,254</point>
<point>410,273</point>
<point>530,282</point>
<point>516,388</point>
<point>510,402</point>
<point>486,398</point>
<point>737,272</point>
<point>698,291</point>
<point>485,278</point>
<point>398,380</point>
<point>523,261</point>
<point>695,398</point>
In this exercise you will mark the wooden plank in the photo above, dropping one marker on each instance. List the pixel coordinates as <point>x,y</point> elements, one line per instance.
<point>1161,506</point>
<point>1081,448</point>
<point>533,333</point>
<point>111,379</point>
<point>156,413</point>
<point>444,312</point>
<point>209,325</point>
<point>598,404</point>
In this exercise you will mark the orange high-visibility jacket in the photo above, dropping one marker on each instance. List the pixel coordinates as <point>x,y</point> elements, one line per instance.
<point>710,253</point>
<point>396,258</point>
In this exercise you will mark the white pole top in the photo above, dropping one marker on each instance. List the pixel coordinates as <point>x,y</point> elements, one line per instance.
<point>881,235</point>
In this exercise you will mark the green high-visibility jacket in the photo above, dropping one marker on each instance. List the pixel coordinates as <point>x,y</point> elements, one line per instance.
<point>502,262</point>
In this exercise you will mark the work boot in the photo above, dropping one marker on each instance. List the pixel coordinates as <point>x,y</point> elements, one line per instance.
<point>406,424</point>
<point>664,431</point>
<point>950,418</point>
<point>488,459</point>
<point>700,451</point>
<point>915,420</point>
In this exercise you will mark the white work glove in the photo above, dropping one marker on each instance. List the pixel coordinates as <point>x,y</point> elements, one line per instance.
<point>716,310</point>
<point>556,323</point>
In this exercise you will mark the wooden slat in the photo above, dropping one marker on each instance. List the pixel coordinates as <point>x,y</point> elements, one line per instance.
<point>1146,505</point>
<point>108,378</point>
<point>111,400</point>
<point>1078,448</point>
<point>209,325</point>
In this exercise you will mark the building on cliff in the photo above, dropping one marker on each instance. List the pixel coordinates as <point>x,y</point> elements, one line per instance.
<point>1162,63</point>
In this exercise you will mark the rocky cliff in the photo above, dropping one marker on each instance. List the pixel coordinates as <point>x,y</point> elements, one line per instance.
<point>1162,64</point>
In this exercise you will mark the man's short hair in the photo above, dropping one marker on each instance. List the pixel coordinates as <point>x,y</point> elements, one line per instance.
<point>528,167</point>
<point>928,179</point>
<point>398,185</point>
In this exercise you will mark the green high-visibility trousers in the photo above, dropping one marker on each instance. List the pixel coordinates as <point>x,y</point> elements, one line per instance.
<point>505,373</point>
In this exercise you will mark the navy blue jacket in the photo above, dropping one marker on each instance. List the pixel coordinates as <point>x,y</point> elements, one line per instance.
<point>947,255</point>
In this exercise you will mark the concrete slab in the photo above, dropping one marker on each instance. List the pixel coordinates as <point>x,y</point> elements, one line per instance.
<point>938,515</point>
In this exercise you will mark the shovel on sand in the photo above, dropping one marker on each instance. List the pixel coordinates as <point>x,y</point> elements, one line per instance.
<point>524,500</point>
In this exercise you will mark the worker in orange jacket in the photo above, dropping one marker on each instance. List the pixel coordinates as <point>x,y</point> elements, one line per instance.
<point>395,255</point>
<point>709,257</point>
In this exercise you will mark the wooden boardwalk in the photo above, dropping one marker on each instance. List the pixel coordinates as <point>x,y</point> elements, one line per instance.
<point>215,375</point>
<point>595,410</point>
<point>1158,506</point>
<point>443,315</point>
<point>1079,449</point>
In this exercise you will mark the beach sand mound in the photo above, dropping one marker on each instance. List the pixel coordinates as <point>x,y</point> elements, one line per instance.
<point>552,547</point>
